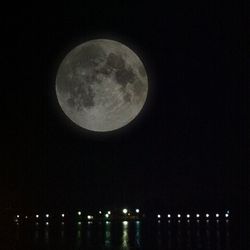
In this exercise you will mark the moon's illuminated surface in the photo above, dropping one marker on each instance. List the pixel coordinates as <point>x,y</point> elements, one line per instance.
<point>101,85</point>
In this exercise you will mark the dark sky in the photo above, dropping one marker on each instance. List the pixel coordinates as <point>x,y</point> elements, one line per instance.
<point>182,152</point>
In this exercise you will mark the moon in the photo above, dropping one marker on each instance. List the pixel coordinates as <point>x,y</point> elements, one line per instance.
<point>101,85</point>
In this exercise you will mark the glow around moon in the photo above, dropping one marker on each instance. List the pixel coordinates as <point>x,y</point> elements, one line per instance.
<point>101,85</point>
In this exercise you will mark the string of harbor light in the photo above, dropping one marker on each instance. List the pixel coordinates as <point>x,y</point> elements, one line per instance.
<point>125,213</point>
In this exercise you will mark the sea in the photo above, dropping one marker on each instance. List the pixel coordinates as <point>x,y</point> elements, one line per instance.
<point>119,235</point>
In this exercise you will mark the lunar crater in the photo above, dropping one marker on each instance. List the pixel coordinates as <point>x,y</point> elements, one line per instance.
<point>115,61</point>
<point>101,85</point>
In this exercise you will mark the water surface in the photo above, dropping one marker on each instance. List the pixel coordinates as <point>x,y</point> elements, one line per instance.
<point>122,235</point>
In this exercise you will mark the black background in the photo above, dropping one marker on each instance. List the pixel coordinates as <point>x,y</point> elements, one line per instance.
<point>185,149</point>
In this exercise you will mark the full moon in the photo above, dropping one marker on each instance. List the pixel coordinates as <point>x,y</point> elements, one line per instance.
<point>101,85</point>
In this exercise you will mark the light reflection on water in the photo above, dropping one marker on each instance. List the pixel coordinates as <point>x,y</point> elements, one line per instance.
<point>189,245</point>
<point>62,230</point>
<point>79,236</point>
<point>107,234</point>
<point>125,238</point>
<point>46,233</point>
<point>159,240</point>
<point>198,236</point>
<point>227,237</point>
<point>179,236</point>
<point>126,235</point>
<point>137,234</point>
<point>207,232</point>
<point>37,233</point>
<point>169,238</point>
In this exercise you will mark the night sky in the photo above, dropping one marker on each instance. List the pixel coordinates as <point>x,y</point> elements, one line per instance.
<point>184,149</point>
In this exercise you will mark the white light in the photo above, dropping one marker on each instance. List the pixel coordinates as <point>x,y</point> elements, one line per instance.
<point>137,211</point>
<point>188,215</point>
<point>47,215</point>
<point>109,212</point>
<point>207,215</point>
<point>100,212</point>
<point>217,215</point>
<point>125,223</point>
<point>158,216</point>
<point>47,223</point>
<point>26,217</point>
<point>79,213</point>
<point>178,215</point>
<point>90,217</point>
<point>37,216</point>
<point>63,215</point>
<point>79,223</point>
<point>197,216</point>
<point>125,211</point>
<point>226,215</point>
<point>169,215</point>
<point>18,216</point>
<point>106,215</point>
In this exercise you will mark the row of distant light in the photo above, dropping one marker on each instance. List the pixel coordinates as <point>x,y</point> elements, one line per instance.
<point>90,217</point>
<point>197,215</point>
<point>125,212</point>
